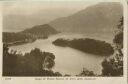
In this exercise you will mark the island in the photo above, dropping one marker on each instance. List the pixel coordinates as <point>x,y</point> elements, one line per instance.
<point>87,45</point>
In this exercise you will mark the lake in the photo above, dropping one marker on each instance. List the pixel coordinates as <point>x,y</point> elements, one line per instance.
<point>67,60</point>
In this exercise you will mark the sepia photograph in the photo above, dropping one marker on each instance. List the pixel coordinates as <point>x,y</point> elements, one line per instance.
<point>62,39</point>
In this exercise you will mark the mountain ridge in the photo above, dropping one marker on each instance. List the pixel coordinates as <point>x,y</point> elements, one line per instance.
<point>101,17</point>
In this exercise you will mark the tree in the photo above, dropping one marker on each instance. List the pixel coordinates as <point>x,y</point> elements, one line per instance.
<point>9,61</point>
<point>86,72</point>
<point>48,62</point>
<point>114,65</point>
<point>37,61</point>
<point>34,63</point>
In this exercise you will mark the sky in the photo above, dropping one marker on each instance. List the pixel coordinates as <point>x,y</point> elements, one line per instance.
<point>58,8</point>
<point>28,8</point>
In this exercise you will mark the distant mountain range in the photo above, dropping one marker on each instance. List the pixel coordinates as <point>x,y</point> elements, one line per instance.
<point>99,18</point>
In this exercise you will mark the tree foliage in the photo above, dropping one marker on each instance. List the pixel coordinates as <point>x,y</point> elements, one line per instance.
<point>114,65</point>
<point>34,63</point>
<point>86,72</point>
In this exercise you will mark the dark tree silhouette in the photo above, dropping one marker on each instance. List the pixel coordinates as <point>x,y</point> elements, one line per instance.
<point>114,66</point>
<point>86,72</point>
<point>34,63</point>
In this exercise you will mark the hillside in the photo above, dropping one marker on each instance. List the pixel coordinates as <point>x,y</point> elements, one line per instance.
<point>99,18</point>
<point>29,35</point>
<point>40,30</point>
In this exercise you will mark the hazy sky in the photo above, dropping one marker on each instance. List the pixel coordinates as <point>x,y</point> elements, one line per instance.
<point>47,8</point>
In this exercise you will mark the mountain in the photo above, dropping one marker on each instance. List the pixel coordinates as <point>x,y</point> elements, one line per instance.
<point>99,18</point>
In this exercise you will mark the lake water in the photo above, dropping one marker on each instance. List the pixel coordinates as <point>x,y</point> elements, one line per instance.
<point>68,60</point>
